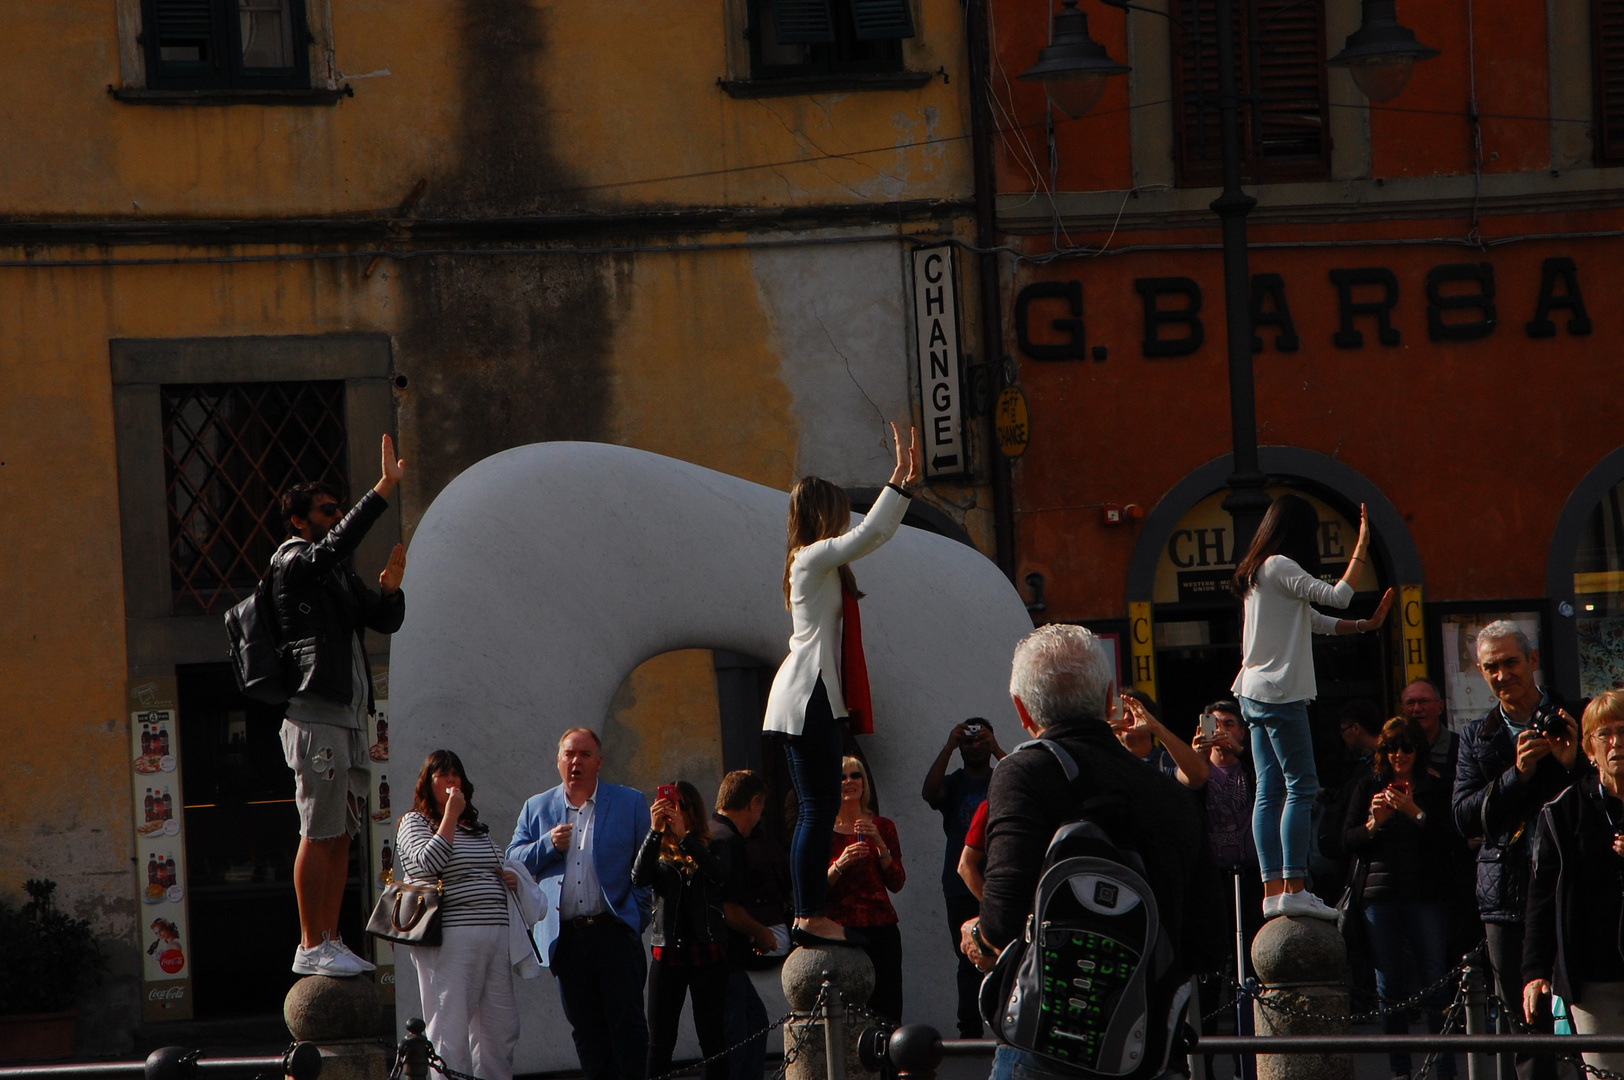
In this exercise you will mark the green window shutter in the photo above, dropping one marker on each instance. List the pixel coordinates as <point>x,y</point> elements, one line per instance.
<point>877,19</point>
<point>185,30</point>
<point>799,22</point>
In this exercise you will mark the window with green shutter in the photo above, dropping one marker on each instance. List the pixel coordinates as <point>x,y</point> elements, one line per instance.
<point>1279,61</point>
<point>225,44</point>
<point>800,38</point>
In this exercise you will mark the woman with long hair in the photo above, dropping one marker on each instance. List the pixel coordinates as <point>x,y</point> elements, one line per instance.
<point>1576,890</point>
<point>808,697</point>
<point>866,865</point>
<point>466,981</point>
<point>687,875</point>
<point>1278,581</point>
<point>1401,825</point>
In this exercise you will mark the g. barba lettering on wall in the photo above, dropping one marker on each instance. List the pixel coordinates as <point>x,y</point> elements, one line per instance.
<point>1461,305</point>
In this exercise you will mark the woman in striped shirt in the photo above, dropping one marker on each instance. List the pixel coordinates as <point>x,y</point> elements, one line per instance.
<point>466,981</point>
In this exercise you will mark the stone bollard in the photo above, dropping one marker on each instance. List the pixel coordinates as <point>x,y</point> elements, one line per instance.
<point>1302,963</point>
<point>341,1016</point>
<point>851,972</point>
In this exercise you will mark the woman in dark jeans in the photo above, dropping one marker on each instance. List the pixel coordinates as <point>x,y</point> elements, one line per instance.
<point>809,695</point>
<point>1400,823</point>
<point>687,875</point>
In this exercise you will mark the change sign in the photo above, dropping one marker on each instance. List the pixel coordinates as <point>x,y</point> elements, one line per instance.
<point>936,327</point>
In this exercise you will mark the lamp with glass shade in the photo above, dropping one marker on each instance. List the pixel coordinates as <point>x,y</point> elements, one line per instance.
<point>1073,67</point>
<point>1381,54</point>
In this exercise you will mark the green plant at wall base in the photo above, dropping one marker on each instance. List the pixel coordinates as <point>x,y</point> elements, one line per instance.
<point>50,957</point>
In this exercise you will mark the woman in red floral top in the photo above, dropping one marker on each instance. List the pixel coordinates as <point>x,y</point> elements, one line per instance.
<point>865,862</point>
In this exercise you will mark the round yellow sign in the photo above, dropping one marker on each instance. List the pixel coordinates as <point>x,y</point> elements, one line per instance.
<point>1013,426</point>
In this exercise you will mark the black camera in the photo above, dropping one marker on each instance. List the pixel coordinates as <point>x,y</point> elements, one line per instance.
<point>1547,721</point>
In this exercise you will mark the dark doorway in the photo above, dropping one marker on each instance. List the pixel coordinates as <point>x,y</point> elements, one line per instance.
<point>242,832</point>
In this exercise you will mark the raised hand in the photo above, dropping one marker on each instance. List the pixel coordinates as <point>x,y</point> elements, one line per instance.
<point>393,469</point>
<point>389,580</point>
<point>906,473</point>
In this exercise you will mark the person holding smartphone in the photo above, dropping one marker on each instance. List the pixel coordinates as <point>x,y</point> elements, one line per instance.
<point>866,865</point>
<point>688,875</point>
<point>1278,583</point>
<point>1398,823</point>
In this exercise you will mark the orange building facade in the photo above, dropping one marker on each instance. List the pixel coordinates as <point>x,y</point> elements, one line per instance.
<point>1435,335</point>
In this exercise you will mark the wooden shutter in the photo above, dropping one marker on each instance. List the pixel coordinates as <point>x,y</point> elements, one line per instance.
<point>1280,58</point>
<point>879,19</point>
<point>1607,37</point>
<point>184,44</point>
<point>803,21</point>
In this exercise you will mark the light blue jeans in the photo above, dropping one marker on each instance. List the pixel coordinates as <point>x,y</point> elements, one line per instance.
<point>1287,784</point>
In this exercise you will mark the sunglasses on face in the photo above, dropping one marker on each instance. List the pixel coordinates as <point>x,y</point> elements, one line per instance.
<point>329,508</point>
<point>1399,748</point>
<point>853,776</point>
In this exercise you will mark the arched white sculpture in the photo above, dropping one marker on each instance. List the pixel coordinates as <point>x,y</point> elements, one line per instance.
<point>541,577</point>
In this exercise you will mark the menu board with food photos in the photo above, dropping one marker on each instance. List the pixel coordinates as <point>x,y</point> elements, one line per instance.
<point>160,851</point>
<point>381,824</point>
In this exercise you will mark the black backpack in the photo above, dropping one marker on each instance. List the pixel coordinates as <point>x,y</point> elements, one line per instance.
<point>257,653</point>
<point>1092,984</point>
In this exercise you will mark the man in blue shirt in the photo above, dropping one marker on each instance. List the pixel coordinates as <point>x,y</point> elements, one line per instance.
<point>585,832</point>
<point>955,796</point>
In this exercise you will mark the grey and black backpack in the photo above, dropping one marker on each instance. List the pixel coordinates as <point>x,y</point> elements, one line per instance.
<point>1092,984</point>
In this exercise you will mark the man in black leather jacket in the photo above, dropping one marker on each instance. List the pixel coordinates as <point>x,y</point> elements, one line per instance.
<point>1506,773</point>
<point>322,608</point>
<point>1061,684</point>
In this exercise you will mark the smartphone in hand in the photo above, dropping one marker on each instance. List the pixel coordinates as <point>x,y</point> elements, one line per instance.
<point>1209,725</point>
<point>666,791</point>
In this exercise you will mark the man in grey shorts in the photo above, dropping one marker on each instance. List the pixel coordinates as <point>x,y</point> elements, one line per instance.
<point>322,607</point>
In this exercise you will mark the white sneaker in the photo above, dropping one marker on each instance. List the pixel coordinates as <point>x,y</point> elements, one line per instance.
<point>366,965</point>
<point>1271,905</point>
<point>1305,905</point>
<point>326,959</point>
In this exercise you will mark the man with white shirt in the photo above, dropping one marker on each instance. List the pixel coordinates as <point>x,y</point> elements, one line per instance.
<point>585,832</point>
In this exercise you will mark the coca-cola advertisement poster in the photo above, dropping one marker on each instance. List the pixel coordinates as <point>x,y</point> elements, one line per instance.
<point>391,795</point>
<point>160,851</point>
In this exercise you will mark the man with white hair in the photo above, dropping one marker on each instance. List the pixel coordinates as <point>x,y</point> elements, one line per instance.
<point>1507,771</point>
<point>1065,691</point>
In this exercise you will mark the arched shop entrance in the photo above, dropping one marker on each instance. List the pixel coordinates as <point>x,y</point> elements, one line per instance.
<point>1585,582</point>
<point>1184,629</point>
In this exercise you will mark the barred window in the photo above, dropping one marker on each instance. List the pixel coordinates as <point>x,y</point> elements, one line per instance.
<point>230,450</point>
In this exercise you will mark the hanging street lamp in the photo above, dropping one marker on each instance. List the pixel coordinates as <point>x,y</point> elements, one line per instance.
<point>1073,67</point>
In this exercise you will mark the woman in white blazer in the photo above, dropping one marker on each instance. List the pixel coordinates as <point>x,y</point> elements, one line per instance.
<point>807,698</point>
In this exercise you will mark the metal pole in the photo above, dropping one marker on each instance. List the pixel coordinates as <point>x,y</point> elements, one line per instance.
<point>834,1029</point>
<point>1479,1066</point>
<point>1247,500</point>
<point>1243,1003</point>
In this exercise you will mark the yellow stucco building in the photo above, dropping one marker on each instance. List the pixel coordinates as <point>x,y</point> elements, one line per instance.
<point>243,237</point>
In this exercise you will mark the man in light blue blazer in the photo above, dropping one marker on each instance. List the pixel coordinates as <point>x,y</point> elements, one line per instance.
<point>585,833</point>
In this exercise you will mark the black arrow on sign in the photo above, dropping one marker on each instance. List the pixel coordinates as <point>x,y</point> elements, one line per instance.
<point>938,461</point>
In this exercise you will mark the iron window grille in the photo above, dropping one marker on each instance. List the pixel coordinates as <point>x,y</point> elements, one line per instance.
<point>230,450</point>
<point>226,44</point>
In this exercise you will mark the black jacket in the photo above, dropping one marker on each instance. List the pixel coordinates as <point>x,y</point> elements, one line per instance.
<point>1029,798</point>
<point>1494,802</point>
<point>687,906</point>
<point>1404,860</point>
<point>321,603</point>
<point>1573,853</point>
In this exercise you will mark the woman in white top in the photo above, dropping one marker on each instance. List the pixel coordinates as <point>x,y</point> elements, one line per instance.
<point>807,699</point>
<point>1277,581</point>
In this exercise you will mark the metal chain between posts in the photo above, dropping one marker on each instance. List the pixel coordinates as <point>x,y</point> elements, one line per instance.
<point>438,1063</point>
<point>1576,1060</point>
<point>1380,1011</point>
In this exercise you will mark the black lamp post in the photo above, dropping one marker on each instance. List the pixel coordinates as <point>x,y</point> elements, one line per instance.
<point>1380,56</point>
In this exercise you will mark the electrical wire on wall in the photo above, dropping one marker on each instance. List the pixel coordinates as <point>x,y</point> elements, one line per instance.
<point>1475,120</point>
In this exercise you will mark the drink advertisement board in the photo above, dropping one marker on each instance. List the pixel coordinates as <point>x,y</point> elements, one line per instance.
<point>380,853</point>
<point>160,850</point>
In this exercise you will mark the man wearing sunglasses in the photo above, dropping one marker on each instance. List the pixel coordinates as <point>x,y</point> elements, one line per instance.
<point>322,607</point>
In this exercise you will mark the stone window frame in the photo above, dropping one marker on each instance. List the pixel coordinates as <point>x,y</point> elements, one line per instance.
<point>157,639</point>
<point>326,87</point>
